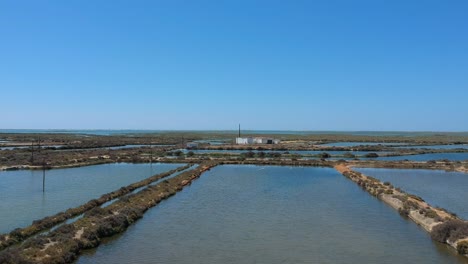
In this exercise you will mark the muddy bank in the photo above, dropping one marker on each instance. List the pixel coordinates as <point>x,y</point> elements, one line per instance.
<point>64,244</point>
<point>460,166</point>
<point>25,159</point>
<point>443,226</point>
<point>21,234</point>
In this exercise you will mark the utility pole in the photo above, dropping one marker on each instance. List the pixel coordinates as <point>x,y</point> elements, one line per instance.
<point>43,174</point>
<point>32,152</point>
<point>151,152</point>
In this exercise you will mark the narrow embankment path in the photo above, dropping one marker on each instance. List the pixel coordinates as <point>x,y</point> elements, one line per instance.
<point>64,244</point>
<point>443,226</point>
<point>20,234</point>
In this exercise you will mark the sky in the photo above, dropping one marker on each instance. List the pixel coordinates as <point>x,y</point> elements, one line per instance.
<point>359,65</point>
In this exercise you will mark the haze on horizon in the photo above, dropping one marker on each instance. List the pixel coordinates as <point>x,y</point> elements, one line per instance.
<point>208,65</point>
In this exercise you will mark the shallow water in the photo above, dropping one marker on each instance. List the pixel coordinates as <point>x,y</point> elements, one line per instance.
<point>252,214</point>
<point>431,156</point>
<point>25,147</point>
<point>438,188</point>
<point>128,146</point>
<point>10,148</point>
<point>461,146</point>
<point>23,201</point>
<point>355,144</point>
<point>213,141</point>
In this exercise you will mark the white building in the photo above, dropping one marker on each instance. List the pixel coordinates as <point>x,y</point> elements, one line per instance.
<point>260,140</point>
<point>244,141</point>
<point>256,140</point>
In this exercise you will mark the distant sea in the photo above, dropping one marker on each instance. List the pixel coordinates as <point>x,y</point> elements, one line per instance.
<point>108,132</point>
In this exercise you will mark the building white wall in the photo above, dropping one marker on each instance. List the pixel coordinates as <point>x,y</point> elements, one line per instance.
<point>259,140</point>
<point>256,140</point>
<point>244,141</point>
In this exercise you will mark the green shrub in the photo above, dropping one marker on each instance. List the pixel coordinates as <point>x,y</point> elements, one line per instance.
<point>12,256</point>
<point>97,211</point>
<point>402,198</point>
<point>380,191</point>
<point>17,233</point>
<point>403,211</point>
<point>462,247</point>
<point>371,155</point>
<point>431,213</point>
<point>451,230</point>
<point>416,197</point>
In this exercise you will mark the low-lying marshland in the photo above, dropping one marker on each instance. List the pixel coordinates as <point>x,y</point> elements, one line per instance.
<point>265,189</point>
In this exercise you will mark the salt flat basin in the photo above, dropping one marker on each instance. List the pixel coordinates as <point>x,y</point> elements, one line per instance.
<point>439,188</point>
<point>268,214</point>
<point>22,199</point>
<point>431,156</point>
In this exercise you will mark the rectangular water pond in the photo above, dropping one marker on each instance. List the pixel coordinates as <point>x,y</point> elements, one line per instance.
<point>431,156</point>
<point>253,214</point>
<point>439,188</point>
<point>454,146</point>
<point>355,144</point>
<point>22,199</point>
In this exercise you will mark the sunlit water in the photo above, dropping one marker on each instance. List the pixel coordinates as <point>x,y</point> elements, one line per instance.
<point>432,156</point>
<point>252,214</point>
<point>355,144</point>
<point>462,146</point>
<point>22,199</point>
<point>439,188</point>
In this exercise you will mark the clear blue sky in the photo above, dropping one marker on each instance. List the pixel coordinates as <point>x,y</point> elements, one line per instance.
<point>282,65</point>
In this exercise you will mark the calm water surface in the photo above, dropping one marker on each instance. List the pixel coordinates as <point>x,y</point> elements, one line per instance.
<point>431,156</point>
<point>23,201</point>
<point>462,146</point>
<point>354,144</point>
<point>438,188</point>
<point>24,147</point>
<point>251,214</point>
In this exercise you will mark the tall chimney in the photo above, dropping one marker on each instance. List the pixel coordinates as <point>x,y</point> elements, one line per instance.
<point>239,130</point>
